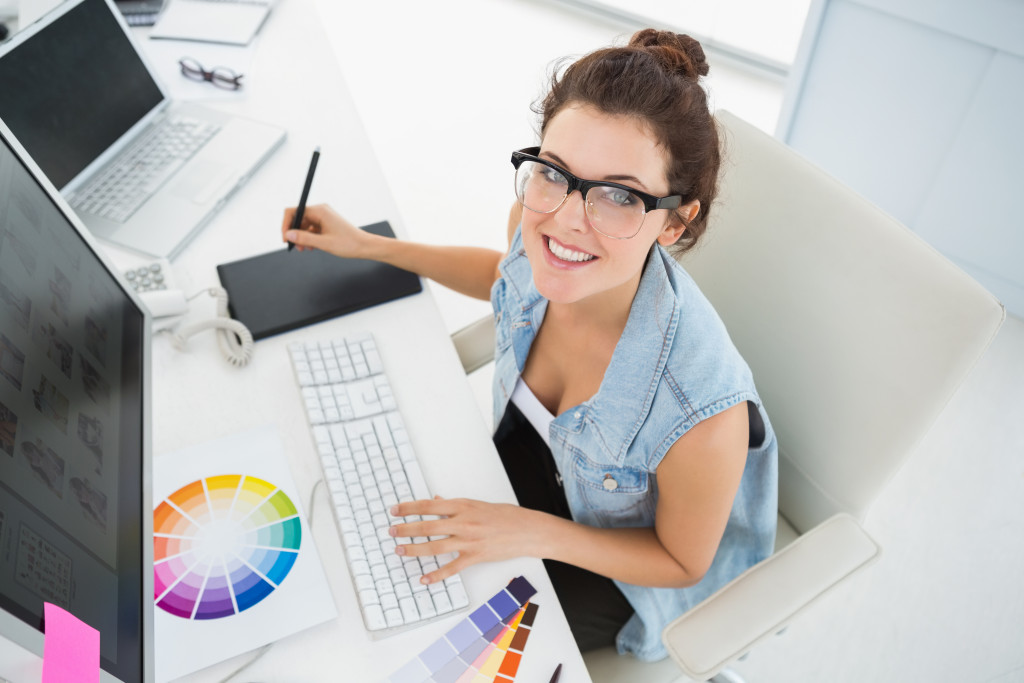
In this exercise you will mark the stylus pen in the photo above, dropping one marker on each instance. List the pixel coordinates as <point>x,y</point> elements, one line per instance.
<point>297,220</point>
<point>555,676</point>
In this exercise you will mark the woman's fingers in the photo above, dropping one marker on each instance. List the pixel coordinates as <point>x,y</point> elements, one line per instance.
<point>435,506</point>
<point>471,530</point>
<point>423,528</point>
<point>445,570</point>
<point>439,547</point>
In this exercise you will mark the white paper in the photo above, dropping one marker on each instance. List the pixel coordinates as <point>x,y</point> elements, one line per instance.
<point>301,599</point>
<point>217,21</point>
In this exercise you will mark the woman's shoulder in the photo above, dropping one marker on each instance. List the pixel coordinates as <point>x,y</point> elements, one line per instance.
<point>703,366</point>
<point>699,327</point>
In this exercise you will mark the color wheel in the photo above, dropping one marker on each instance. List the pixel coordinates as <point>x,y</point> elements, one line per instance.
<point>221,545</point>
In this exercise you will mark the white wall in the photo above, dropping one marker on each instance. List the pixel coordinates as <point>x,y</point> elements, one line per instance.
<point>917,104</point>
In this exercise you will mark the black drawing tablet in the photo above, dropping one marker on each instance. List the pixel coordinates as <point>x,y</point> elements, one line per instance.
<point>283,290</point>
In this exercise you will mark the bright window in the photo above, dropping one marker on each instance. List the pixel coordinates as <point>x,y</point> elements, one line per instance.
<point>764,30</point>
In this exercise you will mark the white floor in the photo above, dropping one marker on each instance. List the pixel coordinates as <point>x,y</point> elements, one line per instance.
<point>444,90</point>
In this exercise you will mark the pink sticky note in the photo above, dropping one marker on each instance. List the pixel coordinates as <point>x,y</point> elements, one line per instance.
<point>71,648</point>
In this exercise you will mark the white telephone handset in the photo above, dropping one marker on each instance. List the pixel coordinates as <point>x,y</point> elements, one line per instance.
<point>233,337</point>
<point>167,304</point>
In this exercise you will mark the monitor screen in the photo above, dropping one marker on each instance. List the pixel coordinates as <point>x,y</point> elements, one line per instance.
<point>73,87</point>
<point>73,453</point>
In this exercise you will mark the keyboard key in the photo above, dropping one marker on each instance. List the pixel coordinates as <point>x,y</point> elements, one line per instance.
<point>458,595</point>
<point>425,604</point>
<point>416,481</point>
<point>442,603</point>
<point>374,618</point>
<point>409,611</point>
<point>394,617</point>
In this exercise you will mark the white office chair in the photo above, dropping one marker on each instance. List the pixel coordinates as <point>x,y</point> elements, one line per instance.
<point>858,334</point>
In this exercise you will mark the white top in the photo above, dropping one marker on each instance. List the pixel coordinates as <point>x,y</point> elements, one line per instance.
<point>533,410</point>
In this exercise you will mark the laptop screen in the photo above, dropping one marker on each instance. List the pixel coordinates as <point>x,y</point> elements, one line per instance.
<point>73,88</point>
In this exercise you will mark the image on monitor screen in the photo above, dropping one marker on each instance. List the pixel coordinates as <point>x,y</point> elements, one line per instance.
<point>73,449</point>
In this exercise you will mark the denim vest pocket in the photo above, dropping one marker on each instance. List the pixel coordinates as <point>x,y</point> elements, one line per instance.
<point>615,496</point>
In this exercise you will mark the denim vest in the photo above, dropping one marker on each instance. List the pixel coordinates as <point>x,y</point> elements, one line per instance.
<point>673,367</point>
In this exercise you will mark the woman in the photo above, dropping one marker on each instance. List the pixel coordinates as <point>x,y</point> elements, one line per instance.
<point>627,422</point>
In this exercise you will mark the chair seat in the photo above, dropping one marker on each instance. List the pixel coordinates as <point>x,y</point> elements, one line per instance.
<point>784,534</point>
<point>607,666</point>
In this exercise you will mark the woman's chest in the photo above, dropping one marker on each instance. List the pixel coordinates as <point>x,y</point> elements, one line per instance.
<point>563,369</point>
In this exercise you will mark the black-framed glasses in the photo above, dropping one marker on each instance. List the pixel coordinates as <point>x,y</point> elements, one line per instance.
<point>614,210</point>
<point>220,76</point>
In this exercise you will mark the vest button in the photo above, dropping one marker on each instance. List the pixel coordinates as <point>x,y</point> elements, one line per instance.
<point>609,483</point>
<point>577,415</point>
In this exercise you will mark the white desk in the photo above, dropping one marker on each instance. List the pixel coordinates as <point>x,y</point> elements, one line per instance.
<point>197,396</point>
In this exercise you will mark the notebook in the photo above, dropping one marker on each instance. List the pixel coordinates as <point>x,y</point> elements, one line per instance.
<point>284,290</point>
<point>234,22</point>
<point>80,66</point>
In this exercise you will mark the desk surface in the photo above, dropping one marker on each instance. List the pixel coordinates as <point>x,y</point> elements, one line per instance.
<point>197,396</point>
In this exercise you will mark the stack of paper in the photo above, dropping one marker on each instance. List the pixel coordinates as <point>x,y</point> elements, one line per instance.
<point>234,22</point>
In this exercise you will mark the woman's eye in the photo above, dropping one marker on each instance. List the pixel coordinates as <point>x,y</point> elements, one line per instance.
<point>618,197</point>
<point>552,176</point>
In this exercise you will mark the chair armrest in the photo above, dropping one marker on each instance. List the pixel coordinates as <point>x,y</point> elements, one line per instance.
<point>762,600</point>
<point>475,344</point>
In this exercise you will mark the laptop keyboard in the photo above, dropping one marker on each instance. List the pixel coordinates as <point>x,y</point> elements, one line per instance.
<point>369,465</point>
<point>142,168</point>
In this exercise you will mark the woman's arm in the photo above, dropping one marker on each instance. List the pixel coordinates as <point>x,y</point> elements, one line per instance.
<point>467,270</point>
<point>697,482</point>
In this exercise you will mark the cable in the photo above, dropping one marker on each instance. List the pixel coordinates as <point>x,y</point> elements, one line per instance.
<point>312,500</point>
<point>263,650</point>
<point>233,338</point>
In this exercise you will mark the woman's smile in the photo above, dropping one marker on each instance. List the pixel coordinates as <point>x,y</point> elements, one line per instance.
<point>565,256</point>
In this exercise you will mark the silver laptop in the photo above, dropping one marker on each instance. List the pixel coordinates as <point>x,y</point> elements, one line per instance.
<point>142,171</point>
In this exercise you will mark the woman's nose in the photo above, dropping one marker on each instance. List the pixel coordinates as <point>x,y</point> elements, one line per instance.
<point>573,212</point>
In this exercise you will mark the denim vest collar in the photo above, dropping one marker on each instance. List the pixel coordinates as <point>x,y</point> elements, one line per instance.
<point>615,417</point>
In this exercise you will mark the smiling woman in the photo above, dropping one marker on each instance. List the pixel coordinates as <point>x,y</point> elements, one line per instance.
<point>629,426</point>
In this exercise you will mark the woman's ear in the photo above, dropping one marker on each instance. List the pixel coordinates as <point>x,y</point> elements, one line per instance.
<point>676,225</point>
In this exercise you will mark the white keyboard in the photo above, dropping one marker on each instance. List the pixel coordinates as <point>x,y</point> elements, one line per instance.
<point>369,465</point>
<point>140,170</point>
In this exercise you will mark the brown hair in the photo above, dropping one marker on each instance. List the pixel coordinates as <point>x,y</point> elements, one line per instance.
<point>653,79</point>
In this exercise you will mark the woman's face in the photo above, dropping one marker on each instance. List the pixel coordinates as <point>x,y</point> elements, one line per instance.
<point>571,261</point>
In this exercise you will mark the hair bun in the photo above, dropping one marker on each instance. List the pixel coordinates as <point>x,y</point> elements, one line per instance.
<point>676,51</point>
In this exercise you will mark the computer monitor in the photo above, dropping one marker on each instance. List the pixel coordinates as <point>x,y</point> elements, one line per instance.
<point>76,511</point>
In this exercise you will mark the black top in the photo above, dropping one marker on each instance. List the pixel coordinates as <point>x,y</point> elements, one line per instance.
<point>594,606</point>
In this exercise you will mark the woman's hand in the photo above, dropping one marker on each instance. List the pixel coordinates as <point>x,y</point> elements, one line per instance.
<point>477,531</point>
<point>324,229</point>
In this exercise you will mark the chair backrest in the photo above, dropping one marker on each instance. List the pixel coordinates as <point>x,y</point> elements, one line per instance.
<point>857,331</point>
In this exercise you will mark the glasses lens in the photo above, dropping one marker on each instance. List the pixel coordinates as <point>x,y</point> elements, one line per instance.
<point>226,78</point>
<point>615,212</point>
<point>191,68</point>
<point>540,187</point>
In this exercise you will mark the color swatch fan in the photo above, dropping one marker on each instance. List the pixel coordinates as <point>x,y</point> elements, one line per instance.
<point>485,647</point>
<point>221,545</point>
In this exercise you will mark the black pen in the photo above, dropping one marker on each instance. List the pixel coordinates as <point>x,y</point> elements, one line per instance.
<point>554,676</point>
<point>297,221</point>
